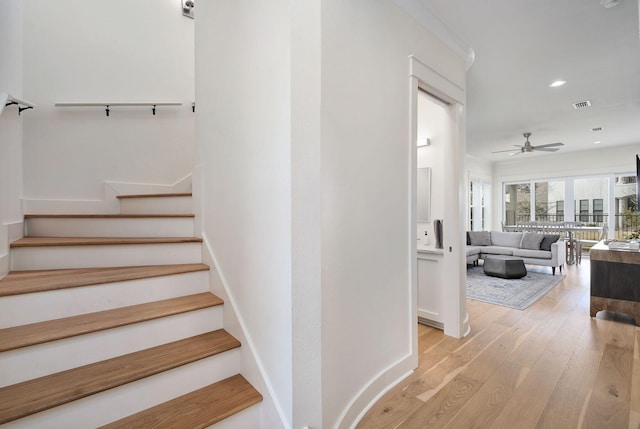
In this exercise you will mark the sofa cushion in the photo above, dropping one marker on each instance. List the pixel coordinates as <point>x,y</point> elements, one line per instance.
<point>496,250</point>
<point>527,253</point>
<point>547,241</point>
<point>531,241</point>
<point>473,250</point>
<point>480,238</point>
<point>508,239</point>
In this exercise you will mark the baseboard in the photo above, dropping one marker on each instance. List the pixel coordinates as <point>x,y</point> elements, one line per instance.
<point>429,322</point>
<point>377,387</point>
<point>183,185</point>
<point>109,202</point>
<point>4,265</point>
<point>271,415</point>
<point>8,232</point>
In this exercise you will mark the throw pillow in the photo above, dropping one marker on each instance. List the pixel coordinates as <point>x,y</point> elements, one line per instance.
<point>468,238</point>
<point>547,241</point>
<point>506,239</point>
<point>531,241</point>
<point>480,238</point>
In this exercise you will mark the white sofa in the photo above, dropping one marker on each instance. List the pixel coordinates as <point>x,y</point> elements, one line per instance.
<point>535,249</point>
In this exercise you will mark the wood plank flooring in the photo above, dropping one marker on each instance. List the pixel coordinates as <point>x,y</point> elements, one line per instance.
<point>549,366</point>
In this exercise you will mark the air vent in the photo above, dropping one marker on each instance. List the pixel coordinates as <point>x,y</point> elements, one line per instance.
<point>596,129</point>
<point>582,104</point>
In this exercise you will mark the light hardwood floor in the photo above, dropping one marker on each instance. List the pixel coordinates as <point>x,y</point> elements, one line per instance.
<point>549,366</point>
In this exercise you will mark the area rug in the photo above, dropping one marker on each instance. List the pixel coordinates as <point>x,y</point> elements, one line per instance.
<point>513,293</point>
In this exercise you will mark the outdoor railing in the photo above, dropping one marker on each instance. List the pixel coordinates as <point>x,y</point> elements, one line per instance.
<point>625,224</point>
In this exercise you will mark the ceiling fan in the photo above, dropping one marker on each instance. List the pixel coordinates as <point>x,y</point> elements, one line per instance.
<point>527,147</point>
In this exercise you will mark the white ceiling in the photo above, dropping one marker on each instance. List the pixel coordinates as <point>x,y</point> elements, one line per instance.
<point>521,46</point>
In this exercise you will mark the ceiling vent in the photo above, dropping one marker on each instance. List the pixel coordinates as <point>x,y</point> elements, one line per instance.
<point>609,3</point>
<point>582,104</point>
<point>596,129</point>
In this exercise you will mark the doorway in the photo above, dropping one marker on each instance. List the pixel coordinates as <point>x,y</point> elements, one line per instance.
<point>437,113</point>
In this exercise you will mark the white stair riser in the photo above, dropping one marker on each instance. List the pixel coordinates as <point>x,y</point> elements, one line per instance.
<point>110,227</point>
<point>43,359</point>
<point>248,418</point>
<point>53,257</point>
<point>160,205</point>
<point>114,404</point>
<point>23,309</point>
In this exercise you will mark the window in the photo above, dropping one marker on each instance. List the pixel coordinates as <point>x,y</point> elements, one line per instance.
<point>584,210</point>
<point>560,211</point>
<point>598,210</point>
<point>546,197</point>
<point>627,218</point>
<point>517,203</point>
<point>478,196</point>
<point>589,190</point>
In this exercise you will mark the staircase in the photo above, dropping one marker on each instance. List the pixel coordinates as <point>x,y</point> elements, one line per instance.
<point>107,321</point>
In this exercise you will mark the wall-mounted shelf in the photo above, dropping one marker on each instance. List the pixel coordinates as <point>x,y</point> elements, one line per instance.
<point>107,105</point>
<point>7,99</point>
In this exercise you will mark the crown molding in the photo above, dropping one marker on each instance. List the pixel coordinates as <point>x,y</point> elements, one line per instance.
<point>428,19</point>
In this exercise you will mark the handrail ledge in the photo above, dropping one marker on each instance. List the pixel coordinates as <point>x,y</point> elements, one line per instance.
<point>107,104</point>
<point>7,99</point>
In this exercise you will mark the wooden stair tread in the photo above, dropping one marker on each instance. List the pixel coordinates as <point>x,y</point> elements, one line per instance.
<point>51,330</point>
<point>198,409</point>
<point>109,216</point>
<point>177,194</point>
<point>29,397</point>
<point>97,241</point>
<point>20,282</point>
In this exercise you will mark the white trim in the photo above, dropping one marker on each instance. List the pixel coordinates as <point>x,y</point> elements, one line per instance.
<point>9,232</point>
<point>109,202</point>
<point>438,85</point>
<point>454,317</point>
<point>222,289</point>
<point>386,380</point>
<point>420,12</point>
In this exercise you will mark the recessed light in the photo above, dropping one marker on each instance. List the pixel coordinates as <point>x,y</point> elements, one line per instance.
<point>557,83</point>
<point>596,142</point>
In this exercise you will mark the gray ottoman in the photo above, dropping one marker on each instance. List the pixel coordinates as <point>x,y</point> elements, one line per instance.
<point>506,267</point>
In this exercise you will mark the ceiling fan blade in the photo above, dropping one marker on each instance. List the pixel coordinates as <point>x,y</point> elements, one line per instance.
<point>518,152</point>
<point>548,145</point>
<point>508,150</point>
<point>546,149</point>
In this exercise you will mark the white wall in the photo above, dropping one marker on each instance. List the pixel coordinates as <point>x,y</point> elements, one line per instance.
<point>10,124</point>
<point>243,132</point>
<point>617,159</point>
<point>366,160</point>
<point>99,51</point>
<point>313,179</point>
